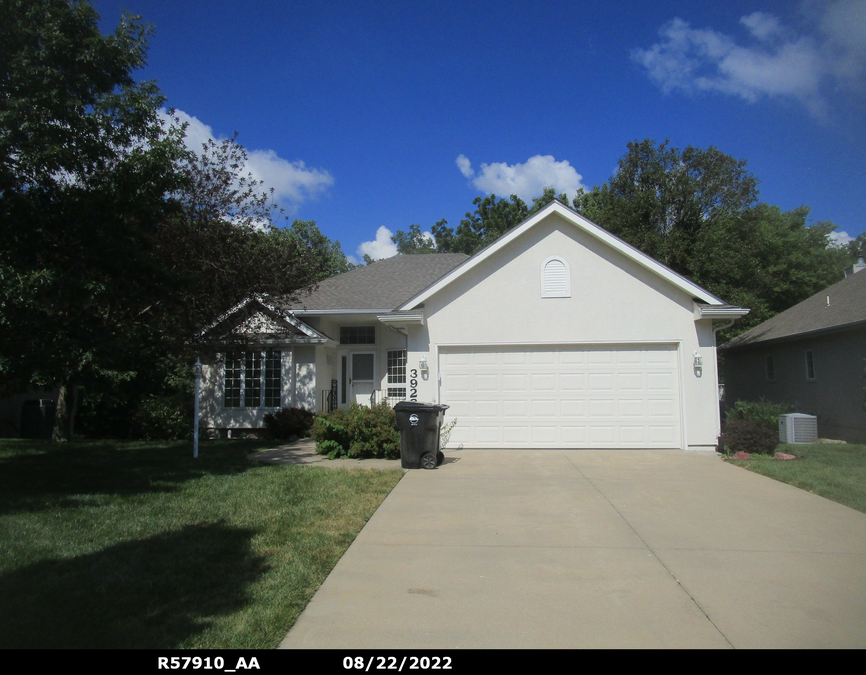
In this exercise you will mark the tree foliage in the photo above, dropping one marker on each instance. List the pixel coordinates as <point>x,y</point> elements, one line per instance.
<point>328,257</point>
<point>117,243</point>
<point>493,217</point>
<point>661,198</point>
<point>413,241</point>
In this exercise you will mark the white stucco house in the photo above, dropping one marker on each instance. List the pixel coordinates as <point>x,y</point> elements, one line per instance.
<point>557,335</point>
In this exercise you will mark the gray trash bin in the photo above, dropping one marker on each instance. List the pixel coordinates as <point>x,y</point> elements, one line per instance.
<point>419,425</point>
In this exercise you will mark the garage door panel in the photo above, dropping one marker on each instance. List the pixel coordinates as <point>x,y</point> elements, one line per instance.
<point>660,381</point>
<point>516,408</point>
<point>574,435</point>
<point>545,435</point>
<point>602,408</point>
<point>572,408</point>
<point>572,382</point>
<point>603,436</point>
<point>632,408</point>
<point>544,408</point>
<point>486,359</point>
<point>601,382</point>
<point>542,382</point>
<point>515,435</point>
<point>624,396</point>
<point>488,409</point>
<point>514,382</point>
<point>630,382</point>
<point>542,358</point>
<point>572,358</point>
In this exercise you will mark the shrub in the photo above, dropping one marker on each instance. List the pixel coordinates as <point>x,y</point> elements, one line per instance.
<point>358,432</point>
<point>332,428</point>
<point>159,417</point>
<point>753,436</point>
<point>759,411</point>
<point>289,423</point>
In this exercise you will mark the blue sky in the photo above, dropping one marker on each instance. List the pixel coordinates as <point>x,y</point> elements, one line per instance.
<point>371,115</point>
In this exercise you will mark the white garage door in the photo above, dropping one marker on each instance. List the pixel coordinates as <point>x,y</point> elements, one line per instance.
<point>561,397</point>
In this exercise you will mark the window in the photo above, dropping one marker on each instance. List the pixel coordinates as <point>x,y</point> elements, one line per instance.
<point>810,366</point>
<point>253,379</point>
<point>555,278</point>
<point>397,374</point>
<point>771,371</point>
<point>357,335</point>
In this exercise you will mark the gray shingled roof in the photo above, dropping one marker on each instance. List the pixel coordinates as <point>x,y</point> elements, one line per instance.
<point>384,285</point>
<point>847,307</point>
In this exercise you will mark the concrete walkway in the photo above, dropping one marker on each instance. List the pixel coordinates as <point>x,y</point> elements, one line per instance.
<point>589,549</point>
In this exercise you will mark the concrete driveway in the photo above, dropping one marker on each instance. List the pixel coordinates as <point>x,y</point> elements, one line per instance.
<point>589,549</point>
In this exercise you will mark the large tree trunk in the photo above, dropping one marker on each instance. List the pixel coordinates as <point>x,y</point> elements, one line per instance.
<point>64,418</point>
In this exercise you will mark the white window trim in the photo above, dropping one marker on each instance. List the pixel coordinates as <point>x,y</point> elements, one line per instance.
<point>544,292</point>
<point>810,355</point>
<point>263,355</point>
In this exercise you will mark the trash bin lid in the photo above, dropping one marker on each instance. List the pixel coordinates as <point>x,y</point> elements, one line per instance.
<point>415,406</point>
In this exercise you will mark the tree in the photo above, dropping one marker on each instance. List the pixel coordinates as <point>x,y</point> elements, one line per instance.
<point>492,218</point>
<point>329,257</point>
<point>117,243</point>
<point>84,167</point>
<point>413,241</point>
<point>661,198</point>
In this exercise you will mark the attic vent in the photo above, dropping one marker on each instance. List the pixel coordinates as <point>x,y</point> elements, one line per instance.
<point>555,279</point>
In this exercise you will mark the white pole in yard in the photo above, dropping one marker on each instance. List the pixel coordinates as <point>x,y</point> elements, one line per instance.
<point>197,371</point>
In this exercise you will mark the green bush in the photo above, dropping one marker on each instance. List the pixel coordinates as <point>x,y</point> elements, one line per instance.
<point>759,411</point>
<point>162,417</point>
<point>753,436</point>
<point>289,423</point>
<point>358,432</point>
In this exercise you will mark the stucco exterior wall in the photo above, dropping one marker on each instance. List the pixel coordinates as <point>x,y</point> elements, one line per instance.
<point>613,301</point>
<point>329,358</point>
<point>835,396</point>
<point>298,367</point>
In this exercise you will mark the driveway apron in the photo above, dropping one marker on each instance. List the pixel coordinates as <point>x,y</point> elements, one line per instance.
<point>594,549</point>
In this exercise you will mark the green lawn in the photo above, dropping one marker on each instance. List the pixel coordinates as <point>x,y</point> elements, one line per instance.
<point>117,545</point>
<point>835,471</point>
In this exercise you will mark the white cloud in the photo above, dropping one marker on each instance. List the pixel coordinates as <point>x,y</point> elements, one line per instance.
<point>293,182</point>
<point>777,62</point>
<point>465,166</point>
<point>840,238</point>
<point>524,180</point>
<point>380,247</point>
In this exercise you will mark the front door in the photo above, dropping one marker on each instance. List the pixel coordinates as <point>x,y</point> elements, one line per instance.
<point>362,377</point>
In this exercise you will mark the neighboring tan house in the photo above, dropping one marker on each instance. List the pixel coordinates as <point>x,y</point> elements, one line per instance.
<point>811,357</point>
<point>557,335</point>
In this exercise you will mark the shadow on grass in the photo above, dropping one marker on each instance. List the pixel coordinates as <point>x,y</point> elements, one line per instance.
<point>36,475</point>
<point>152,593</point>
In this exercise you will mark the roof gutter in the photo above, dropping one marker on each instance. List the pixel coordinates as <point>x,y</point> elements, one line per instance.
<point>723,312</point>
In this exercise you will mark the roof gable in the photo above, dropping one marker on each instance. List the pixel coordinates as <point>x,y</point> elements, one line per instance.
<point>256,317</point>
<point>575,219</point>
<point>841,305</point>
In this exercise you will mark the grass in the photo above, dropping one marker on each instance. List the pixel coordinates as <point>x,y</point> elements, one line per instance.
<point>138,545</point>
<point>834,471</point>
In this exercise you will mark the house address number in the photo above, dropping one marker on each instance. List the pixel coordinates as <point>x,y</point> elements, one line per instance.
<point>413,385</point>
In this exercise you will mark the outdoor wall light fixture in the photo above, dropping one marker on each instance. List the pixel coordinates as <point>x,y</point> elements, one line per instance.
<point>698,365</point>
<point>423,367</point>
